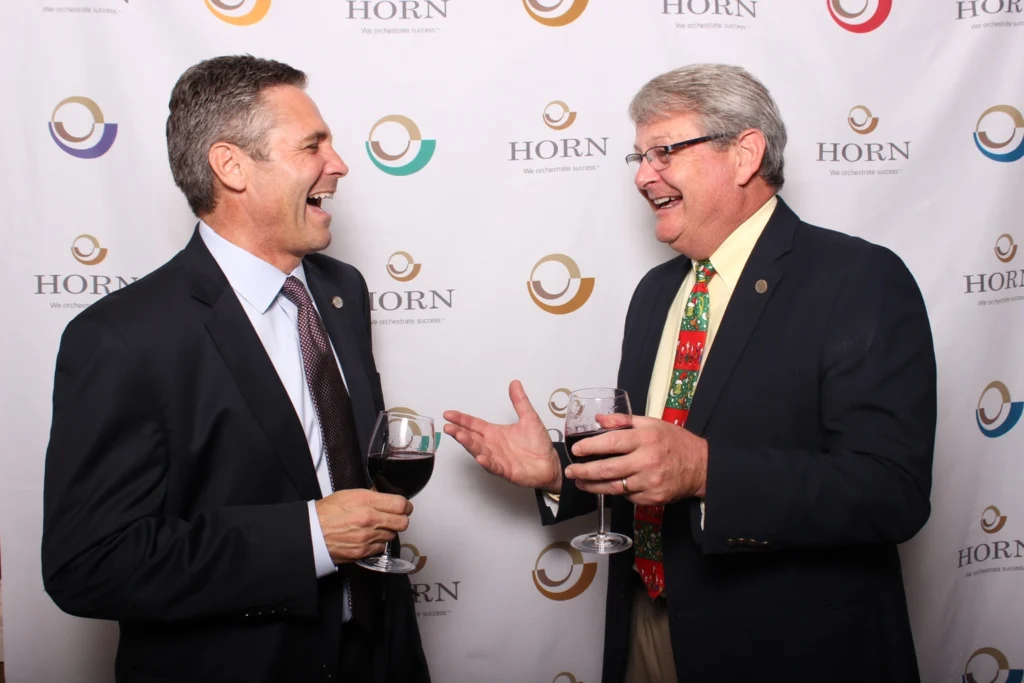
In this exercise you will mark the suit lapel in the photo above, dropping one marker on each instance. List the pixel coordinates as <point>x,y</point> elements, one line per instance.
<point>250,366</point>
<point>745,308</point>
<point>341,327</point>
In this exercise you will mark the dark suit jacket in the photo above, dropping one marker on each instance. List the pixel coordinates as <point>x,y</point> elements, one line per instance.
<point>818,403</point>
<point>177,476</point>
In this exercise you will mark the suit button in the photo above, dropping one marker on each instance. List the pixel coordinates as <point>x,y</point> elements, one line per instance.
<point>730,542</point>
<point>764,543</point>
<point>247,615</point>
<point>325,671</point>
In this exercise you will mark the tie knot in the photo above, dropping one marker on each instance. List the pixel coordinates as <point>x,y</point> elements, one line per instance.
<point>704,271</point>
<point>295,291</point>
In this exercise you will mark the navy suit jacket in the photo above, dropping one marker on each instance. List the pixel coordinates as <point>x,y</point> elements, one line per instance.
<point>818,404</point>
<point>176,482</point>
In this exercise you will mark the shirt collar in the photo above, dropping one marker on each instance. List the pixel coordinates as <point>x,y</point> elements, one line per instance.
<point>731,256</point>
<point>251,277</point>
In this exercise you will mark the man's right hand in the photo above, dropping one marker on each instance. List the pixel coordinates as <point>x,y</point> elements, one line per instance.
<point>356,523</point>
<point>520,453</point>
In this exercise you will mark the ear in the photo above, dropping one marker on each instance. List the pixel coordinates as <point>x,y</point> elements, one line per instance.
<point>227,162</point>
<point>749,153</point>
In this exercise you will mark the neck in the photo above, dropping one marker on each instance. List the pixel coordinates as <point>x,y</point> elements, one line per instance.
<point>238,228</point>
<point>707,242</point>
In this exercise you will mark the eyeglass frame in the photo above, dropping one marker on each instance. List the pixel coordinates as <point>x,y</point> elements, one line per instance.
<point>668,149</point>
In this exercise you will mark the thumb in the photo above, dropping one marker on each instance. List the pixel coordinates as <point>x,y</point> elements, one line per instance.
<point>520,402</point>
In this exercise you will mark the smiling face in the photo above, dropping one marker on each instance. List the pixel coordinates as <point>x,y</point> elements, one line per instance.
<point>284,194</point>
<point>692,196</point>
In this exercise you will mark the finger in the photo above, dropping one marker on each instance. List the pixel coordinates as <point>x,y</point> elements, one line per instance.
<point>466,421</point>
<point>390,503</point>
<point>614,420</point>
<point>471,441</point>
<point>608,488</point>
<point>389,522</point>
<point>520,401</point>
<point>604,470</point>
<point>618,442</point>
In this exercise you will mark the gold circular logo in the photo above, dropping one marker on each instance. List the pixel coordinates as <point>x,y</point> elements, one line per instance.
<point>419,560</point>
<point>87,250</point>
<point>578,579</point>
<point>558,402</point>
<point>861,120</point>
<point>549,14</point>
<point>560,302</point>
<point>991,520</point>
<point>1000,660</point>
<point>256,10</point>
<point>1005,248</point>
<point>401,266</point>
<point>557,116</point>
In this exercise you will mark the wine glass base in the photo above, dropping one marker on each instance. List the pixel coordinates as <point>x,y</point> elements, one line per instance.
<point>602,544</point>
<point>387,564</point>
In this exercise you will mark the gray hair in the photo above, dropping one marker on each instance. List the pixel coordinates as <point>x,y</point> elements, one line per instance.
<point>220,100</point>
<point>726,99</point>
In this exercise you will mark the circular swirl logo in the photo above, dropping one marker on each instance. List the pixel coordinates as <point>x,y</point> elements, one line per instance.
<point>401,266</point>
<point>558,402</point>
<point>571,297</point>
<point>576,580</point>
<point>555,14</point>
<point>861,120</point>
<point>1008,147</point>
<point>566,677</point>
<point>557,115</point>
<point>414,427</point>
<point>990,658</point>
<point>87,250</point>
<point>1005,248</point>
<point>996,425</point>
<point>861,20</point>
<point>93,144</point>
<point>241,13</point>
<point>413,157</point>
<point>991,520</point>
<point>413,556</point>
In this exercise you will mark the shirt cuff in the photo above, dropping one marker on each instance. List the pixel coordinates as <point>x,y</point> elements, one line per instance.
<point>550,502</point>
<point>321,556</point>
<point>702,515</point>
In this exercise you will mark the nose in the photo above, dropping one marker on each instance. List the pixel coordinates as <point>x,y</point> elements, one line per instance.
<point>645,175</point>
<point>335,164</point>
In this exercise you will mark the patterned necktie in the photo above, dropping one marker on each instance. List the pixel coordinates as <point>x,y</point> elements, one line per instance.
<point>693,336</point>
<point>330,399</point>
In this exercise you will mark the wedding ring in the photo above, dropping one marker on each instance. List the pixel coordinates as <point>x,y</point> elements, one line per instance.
<point>625,489</point>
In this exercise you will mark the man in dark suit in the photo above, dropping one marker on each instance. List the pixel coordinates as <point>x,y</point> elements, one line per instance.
<point>205,481</point>
<point>787,378</point>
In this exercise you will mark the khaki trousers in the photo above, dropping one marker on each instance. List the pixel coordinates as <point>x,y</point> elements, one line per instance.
<point>650,647</point>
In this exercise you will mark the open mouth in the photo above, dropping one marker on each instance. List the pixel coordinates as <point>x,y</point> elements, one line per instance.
<point>666,202</point>
<point>316,199</point>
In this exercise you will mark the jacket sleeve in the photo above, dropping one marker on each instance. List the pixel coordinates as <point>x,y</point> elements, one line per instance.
<point>870,483</point>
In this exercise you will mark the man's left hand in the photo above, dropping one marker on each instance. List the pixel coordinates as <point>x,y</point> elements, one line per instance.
<point>660,463</point>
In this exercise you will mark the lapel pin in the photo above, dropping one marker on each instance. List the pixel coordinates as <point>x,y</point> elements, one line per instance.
<point>761,286</point>
<point>338,303</point>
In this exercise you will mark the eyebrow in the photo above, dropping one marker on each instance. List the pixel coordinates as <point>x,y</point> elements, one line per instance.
<point>317,136</point>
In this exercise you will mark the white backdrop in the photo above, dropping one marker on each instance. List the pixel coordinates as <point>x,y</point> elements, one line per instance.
<point>904,122</point>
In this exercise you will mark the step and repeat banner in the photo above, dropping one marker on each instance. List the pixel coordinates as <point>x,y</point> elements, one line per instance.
<point>493,216</point>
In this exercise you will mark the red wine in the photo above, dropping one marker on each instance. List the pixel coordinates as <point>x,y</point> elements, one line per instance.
<point>572,439</point>
<point>403,473</point>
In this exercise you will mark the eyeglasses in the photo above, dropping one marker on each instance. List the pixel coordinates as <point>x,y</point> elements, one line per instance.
<point>658,157</point>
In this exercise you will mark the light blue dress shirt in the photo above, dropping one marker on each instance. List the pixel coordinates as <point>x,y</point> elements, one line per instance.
<point>257,284</point>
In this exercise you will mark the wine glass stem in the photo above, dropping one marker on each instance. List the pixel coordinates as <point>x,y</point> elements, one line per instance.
<point>387,550</point>
<point>601,531</point>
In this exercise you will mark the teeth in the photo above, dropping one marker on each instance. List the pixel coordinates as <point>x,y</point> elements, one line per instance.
<point>661,201</point>
<point>321,195</point>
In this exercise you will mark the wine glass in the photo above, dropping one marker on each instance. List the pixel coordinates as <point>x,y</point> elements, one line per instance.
<point>581,423</point>
<point>400,460</point>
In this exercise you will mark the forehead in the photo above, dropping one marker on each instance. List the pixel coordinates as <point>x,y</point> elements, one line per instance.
<point>663,131</point>
<point>293,110</point>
